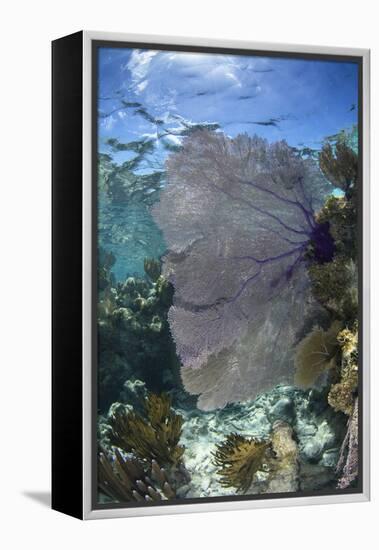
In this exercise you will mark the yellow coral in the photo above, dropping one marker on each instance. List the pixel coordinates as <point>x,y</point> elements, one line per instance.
<point>341,398</point>
<point>349,341</point>
<point>239,458</point>
<point>152,437</point>
<point>342,395</point>
<point>316,354</point>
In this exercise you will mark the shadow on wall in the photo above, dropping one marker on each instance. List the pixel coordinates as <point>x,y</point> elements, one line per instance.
<point>41,497</point>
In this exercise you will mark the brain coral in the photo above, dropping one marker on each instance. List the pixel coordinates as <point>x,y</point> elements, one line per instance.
<point>238,216</point>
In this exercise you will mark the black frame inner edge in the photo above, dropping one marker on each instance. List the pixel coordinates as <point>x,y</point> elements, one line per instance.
<point>95,46</point>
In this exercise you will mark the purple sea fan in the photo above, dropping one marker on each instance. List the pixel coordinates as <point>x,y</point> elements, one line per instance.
<point>238,216</point>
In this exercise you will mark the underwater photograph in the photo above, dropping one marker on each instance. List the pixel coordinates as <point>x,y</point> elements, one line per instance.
<point>228,272</point>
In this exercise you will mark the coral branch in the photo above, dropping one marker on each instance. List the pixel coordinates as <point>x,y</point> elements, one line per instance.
<point>308,215</point>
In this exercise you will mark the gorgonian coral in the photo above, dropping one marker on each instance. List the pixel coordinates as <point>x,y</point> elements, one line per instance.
<point>315,355</point>
<point>340,165</point>
<point>238,216</point>
<point>239,458</point>
<point>154,436</point>
<point>125,479</point>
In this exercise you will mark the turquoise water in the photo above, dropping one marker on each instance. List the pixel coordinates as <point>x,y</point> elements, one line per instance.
<point>128,231</point>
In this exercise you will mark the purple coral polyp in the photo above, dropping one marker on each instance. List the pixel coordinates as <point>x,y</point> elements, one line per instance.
<point>323,245</point>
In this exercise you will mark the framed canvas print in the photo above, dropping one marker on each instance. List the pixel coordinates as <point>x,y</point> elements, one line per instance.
<point>210,275</point>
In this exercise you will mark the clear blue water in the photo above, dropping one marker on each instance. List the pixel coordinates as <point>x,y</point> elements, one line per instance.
<point>154,99</point>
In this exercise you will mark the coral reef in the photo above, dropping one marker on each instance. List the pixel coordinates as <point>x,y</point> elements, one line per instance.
<point>228,270</point>
<point>154,436</point>
<point>341,215</point>
<point>133,334</point>
<point>315,355</point>
<point>334,285</point>
<point>297,254</point>
<point>249,212</point>
<point>140,457</point>
<point>239,458</point>
<point>304,417</point>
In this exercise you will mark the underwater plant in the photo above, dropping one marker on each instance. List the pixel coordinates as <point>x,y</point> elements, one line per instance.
<point>125,479</point>
<point>153,436</point>
<point>239,458</point>
<point>239,219</point>
<point>315,355</point>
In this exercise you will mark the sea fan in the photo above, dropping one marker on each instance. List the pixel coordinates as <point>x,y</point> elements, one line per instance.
<point>238,216</point>
<point>315,355</point>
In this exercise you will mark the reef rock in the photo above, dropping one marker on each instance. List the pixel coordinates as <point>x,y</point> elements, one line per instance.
<point>285,465</point>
